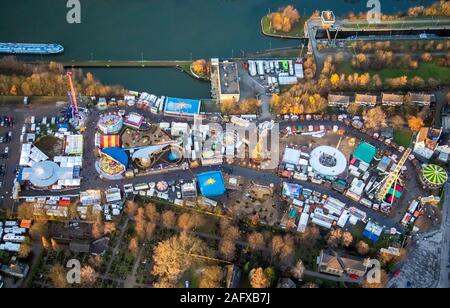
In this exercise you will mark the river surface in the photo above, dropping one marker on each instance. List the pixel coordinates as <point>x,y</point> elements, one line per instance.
<point>159,29</point>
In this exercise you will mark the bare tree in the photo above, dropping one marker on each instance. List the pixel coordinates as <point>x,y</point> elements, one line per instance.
<point>168,219</point>
<point>298,270</point>
<point>211,277</point>
<point>88,276</point>
<point>256,241</point>
<point>227,249</point>
<point>362,248</point>
<point>57,275</point>
<point>175,255</point>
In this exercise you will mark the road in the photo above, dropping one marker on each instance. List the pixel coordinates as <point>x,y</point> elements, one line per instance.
<point>117,63</point>
<point>445,247</point>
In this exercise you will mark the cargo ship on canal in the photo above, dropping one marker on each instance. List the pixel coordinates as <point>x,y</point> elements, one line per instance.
<point>30,49</point>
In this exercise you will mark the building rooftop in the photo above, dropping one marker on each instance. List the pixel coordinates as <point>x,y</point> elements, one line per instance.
<point>422,98</point>
<point>392,98</point>
<point>366,99</point>
<point>229,80</point>
<point>338,99</point>
<point>365,152</point>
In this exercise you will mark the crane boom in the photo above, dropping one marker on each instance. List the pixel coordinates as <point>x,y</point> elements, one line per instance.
<point>72,94</point>
<point>393,177</point>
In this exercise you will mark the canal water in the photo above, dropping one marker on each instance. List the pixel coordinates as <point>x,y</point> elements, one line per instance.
<point>159,29</point>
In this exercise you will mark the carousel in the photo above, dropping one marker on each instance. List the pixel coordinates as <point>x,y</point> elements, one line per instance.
<point>434,176</point>
<point>113,162</point>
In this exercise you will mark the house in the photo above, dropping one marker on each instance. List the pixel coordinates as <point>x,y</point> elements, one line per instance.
<point>392,99</point>
<point>330,264</point>
<point>286,283</point>
<point>443,152</point>
<point>353,266</point>
<point>427,141</point>
<point>366,100</point>
<point>421,99</point>
<point>336,265</point>
<point>338,100</point>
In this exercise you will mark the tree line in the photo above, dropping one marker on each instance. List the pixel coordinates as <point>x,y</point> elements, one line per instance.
<point>17,78</point>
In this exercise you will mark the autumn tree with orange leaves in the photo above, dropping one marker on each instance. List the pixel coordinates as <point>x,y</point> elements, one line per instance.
<point>285,19</point>
<point>415,123</point>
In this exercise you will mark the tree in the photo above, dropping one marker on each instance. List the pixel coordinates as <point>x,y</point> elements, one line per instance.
<point>298,270</point>
<point>256,241</point>
<point>347,239</point>
<point>374,118</point>
<point>140,224</point>
<point>211,277</point>
<point>277,245</point>
<point>131,208</point>
<point>151,212</point>
<point>334,238</point>
<point>25,211</point>
<point>334,79</point>
<point>426,57</point>
<point>227,249</point>
<point>88,276</point>
<point>258,279</point>
<point>362,248</point>
<point>200,67</point>
<point>251,105</point>
<point>397,121</point>
<point>168,219</point>
<point>150,229</point>
<point>310,285</point>
<point>55,245</point>
<point>25,249</point>
<point>175,255</point>
<point>57,275</point>
<point>45,243</point>
<point>97,230</point>
<point>353,109</point>
<point>284,19</point>
<point>133,246</point>
<point>185,222</point>
<point>415,123</point>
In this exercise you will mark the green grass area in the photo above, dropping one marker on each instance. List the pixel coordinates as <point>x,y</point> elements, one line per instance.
<point>400,23</point>
<point>425,71</point>
<point>296,32</point>
<point>403,137</point>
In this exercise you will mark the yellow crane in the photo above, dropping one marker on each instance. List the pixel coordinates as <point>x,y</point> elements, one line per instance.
<point>392,178</point>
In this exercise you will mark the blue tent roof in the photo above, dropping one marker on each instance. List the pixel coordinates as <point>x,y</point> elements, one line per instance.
<point>211,183</point>
<point>117,154</point>
<point>182,106</point>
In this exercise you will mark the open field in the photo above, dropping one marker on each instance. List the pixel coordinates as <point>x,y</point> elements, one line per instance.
<point>403,137</point>
<point>425,71</point>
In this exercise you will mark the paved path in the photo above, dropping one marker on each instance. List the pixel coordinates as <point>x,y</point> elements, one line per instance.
<point>445,247</point>
<point>116,248</point>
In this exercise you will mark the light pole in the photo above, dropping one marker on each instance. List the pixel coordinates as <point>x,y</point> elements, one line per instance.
<point>142,56</point>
